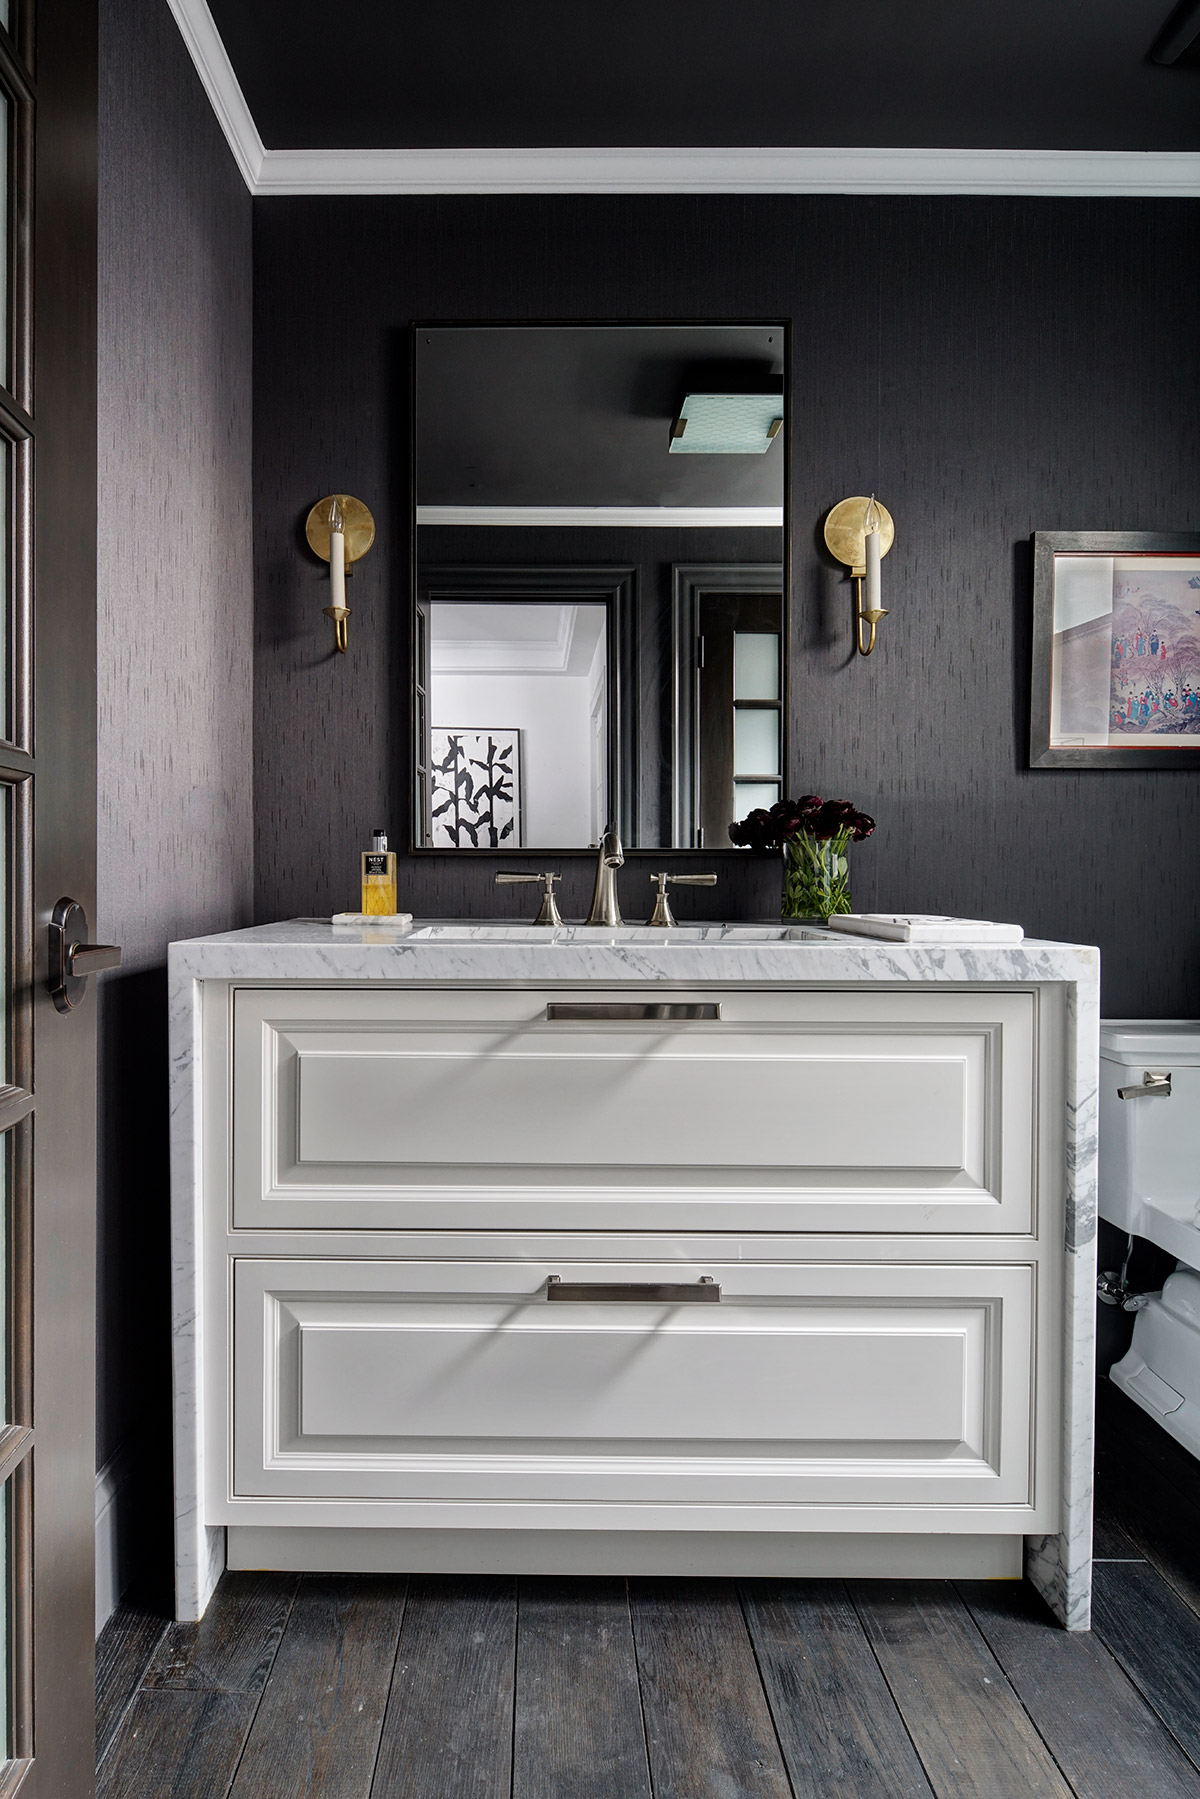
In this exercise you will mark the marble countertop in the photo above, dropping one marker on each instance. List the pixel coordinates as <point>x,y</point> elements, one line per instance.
<point>312,949</point>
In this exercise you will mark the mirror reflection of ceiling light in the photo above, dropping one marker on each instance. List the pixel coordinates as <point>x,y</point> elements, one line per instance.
<point>726,424</point>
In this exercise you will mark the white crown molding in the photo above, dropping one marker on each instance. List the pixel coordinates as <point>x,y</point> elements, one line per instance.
<point>1135,174</point>
<point>648,517</point>
<point>1142,174</point>
<point>224,91</point>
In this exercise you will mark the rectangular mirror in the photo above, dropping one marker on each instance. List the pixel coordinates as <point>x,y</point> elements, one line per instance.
<point>599,613</point>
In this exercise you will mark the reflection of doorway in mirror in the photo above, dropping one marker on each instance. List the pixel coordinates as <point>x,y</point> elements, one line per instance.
<point>740,710</point>
<point>541,666</point>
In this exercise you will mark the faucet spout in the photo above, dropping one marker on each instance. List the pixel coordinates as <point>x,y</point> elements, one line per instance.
<point>610,857</point>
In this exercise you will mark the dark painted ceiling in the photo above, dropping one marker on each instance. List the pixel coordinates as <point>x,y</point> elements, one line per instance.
<point>968,74</point>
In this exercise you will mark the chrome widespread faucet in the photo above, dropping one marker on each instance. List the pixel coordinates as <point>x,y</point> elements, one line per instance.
<point>605,909</point>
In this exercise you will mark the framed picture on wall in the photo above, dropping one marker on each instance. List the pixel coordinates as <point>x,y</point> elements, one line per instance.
<point>1116,650</point>
<point>475,784</point>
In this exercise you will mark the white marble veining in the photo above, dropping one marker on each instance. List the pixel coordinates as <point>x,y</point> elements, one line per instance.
<point>445,953</point>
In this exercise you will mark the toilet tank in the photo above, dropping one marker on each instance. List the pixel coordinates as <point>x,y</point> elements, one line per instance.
<point>1150,1146</point>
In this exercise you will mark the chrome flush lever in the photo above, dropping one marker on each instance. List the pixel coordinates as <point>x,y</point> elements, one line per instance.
<point>1153,1085</point>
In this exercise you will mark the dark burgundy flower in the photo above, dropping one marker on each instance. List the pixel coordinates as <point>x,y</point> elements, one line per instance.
<point>829,819</point>
<point>755,832</point>
<point>786,818</point>
<point>823,819</point>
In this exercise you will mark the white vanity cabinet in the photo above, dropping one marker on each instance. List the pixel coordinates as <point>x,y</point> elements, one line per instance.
<point>573,1266</point>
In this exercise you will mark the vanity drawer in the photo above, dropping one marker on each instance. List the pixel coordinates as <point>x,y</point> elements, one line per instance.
<point>807,1384</point>
<point>497,1108</point>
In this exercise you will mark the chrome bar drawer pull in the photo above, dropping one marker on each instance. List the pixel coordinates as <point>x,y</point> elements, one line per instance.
<point>591,1012</point>
<point>704,1292</point>
<point>1151,1086</point>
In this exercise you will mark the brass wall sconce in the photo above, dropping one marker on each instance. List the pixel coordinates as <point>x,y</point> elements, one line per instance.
<point>340,530</point>
<point>859,532</point>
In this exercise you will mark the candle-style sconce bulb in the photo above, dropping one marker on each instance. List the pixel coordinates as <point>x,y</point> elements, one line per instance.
<point>859,532</point>
<point>340,530</point>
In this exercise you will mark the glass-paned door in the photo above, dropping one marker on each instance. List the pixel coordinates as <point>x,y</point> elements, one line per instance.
<point>739,723</point>
<point>16,961</point>
<point>47,853</point>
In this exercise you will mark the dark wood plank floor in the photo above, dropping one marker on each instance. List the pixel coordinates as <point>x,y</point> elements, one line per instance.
<point>318,1687</point>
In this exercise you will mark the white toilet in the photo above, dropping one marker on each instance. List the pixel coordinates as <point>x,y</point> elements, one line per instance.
<point>1150,1187</point>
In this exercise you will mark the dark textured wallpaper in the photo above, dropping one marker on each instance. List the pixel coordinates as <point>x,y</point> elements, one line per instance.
<point>989,367</point>
<point>173,647</point>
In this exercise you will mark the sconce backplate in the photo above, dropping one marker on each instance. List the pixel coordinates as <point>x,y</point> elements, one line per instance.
<point>845,532</point>
<point>360,527</point>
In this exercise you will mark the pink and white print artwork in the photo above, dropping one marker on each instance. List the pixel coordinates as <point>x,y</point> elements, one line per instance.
<point>1126,652</point>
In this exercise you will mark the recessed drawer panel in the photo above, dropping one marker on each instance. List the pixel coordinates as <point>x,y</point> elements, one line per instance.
<point>670,1099</point>
<point>805,1384</point>
<point>822,1111</point>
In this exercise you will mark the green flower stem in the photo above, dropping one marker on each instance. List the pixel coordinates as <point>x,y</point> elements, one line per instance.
<point>816,875</point>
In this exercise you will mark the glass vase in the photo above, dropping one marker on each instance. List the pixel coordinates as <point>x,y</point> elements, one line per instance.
<point>816,876</point>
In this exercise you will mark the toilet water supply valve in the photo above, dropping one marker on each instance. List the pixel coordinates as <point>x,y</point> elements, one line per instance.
<point>1112,1288</point>
<point>1112,1291</point>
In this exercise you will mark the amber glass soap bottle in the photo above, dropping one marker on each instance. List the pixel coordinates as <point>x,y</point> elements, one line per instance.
<point>379,877</point>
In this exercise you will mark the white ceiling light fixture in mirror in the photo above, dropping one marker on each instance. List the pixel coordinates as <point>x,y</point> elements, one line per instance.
<point>727,425</point>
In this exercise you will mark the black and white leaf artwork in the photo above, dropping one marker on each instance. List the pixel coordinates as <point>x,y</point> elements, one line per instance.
<point>475,787</point>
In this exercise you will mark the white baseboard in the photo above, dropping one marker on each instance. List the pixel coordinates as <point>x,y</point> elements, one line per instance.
<point>114,1533</point>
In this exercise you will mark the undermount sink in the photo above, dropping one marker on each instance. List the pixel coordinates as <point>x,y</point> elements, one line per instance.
<point>581,934</point>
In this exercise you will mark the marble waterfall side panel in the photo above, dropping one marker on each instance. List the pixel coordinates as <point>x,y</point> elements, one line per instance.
<point>1060,1565</point>
<point>199,1549</point>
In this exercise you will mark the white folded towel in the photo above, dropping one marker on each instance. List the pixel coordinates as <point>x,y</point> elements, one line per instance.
<point>373,918</point>
<point>914,927</point>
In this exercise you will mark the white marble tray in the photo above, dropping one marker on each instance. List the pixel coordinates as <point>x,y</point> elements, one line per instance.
<point>914,927</point>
